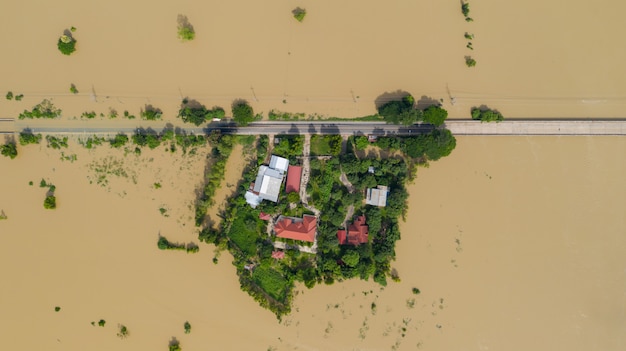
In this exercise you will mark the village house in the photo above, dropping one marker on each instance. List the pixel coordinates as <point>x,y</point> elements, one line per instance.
<point>293,179</point>
<point>377,196</point>
<point>268,182</point>
<point>303,229</point>
<point>355,234</point>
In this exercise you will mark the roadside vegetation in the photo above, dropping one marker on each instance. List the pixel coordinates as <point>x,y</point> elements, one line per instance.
<point>404,111</point>
<point>196,113</point>
<point>151,113</point>
<point>27,137</point>
<point>242,113</point>
<point>486,115</point>
<point>45,109</point>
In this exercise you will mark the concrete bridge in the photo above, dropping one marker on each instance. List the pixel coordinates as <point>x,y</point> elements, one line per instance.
<point>347,127</point>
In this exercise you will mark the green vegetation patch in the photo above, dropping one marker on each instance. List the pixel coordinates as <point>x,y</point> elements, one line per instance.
<point>299,14</point>
<point>151,113</point>
<point>66,44</point>
<point>164,244</point>
<point>56,143</point>
<point>275,115</point>
<point>223,146</point>
<point>9,150</point>
<point>27,137</point>
<point>245,230</point>
<point>186,31</point>
<point>289,146</point>
<point>486,115</point>
<point>429,146</point>
<point>242,113</point>
<point>271,281</point>
<point>45,109</point>
<point>401,111</point>
<point>326,145</point>
<point>191,112</point>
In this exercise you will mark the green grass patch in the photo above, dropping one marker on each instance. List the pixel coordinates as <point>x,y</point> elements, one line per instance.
<point>244,230</point>
<point>326,145</point>
<point>271,281</point>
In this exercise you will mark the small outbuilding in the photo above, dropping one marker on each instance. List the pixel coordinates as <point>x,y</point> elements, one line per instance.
<point>377,196</point>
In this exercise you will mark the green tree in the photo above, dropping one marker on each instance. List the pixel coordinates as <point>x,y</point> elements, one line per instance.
<point>351,258</point>
<point>122,332</point>
<point>45,109</point>
<point>465,9</point>
<point>73,89</point>
<point>293,197</point>
<point>242,113</point>
<point>435,115</point>
<point>470,62</point>
<point>361,142</point>
<point>185,29</point>
<point>119,140</point>
<point>9,95</point>
<point>9,150</point>
<point>299,13</point>
<point>50,203</point>
<point>102,322</point>
<point>66,44</point>
<point>487,115</point>
<point>151,114</point>
<point>27,137</point>
<point>187,327</point>
<point>400,111</point>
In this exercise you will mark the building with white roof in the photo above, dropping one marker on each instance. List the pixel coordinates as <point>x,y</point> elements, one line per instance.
<point>377,196</point>
<point>268,182</point>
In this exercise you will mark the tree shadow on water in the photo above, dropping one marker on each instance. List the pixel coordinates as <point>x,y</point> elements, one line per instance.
<point>426,101</point>
<point>390,96</point>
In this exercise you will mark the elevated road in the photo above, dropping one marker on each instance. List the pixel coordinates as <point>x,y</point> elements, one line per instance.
<point>457,127</point>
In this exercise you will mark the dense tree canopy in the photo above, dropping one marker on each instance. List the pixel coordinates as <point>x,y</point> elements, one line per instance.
<point>9,150</point>
<point>400,111</point>
<point>486,115</point>
<point>435,115</point>
<point>242,113</point>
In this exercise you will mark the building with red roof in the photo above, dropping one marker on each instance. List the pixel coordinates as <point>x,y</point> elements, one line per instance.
<point>265,216</point>
<point>294,174</point>
<point>279,255</point>
<point>303,229</point>
<point>356,233</point>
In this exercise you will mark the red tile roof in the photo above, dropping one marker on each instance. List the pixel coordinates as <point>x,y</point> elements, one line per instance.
<point>278,255</point>
<point>294,173</point>
<point>356,234</point>
<point>265,216</point>
<point>303,230</point>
